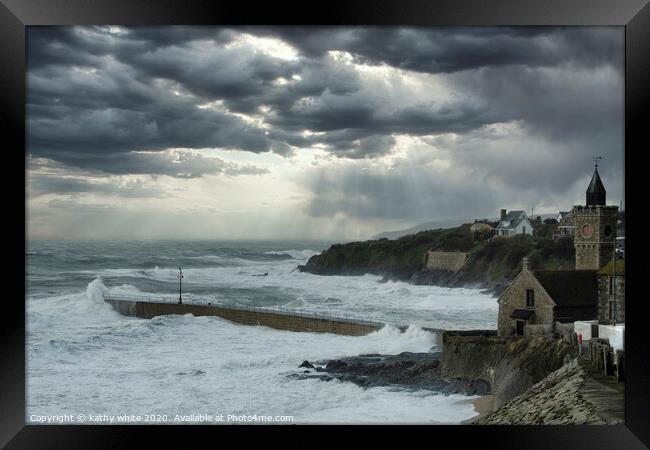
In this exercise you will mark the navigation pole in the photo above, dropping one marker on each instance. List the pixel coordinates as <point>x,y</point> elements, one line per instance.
<point>180,284</point>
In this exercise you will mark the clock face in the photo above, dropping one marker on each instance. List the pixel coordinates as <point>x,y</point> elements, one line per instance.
<point>586,231</point>
<point>608,230</point>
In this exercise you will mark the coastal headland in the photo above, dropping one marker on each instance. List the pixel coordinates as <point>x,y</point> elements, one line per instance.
<point>491,263</point>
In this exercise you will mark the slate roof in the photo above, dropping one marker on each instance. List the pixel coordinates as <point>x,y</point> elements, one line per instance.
<point>513,223</point>
<point>522,314</point>
<point>514,214</point>
<point>570,287</point>
<point>609,268</point>
<point>596,191</point>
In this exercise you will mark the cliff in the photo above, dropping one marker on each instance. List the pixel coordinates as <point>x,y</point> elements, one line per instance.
<point>510,366</point>
<point>491,264</point>
<point>562,398</point>
<point>529,380</point>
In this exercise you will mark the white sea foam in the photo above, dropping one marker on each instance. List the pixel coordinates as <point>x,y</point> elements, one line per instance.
<point>392,301</point>
<point>184,364</point>
<point>295,254</point>
<point>84,357</point>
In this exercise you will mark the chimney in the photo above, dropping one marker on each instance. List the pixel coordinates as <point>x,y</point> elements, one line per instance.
<point>525,263</point>
<point>503,214</point>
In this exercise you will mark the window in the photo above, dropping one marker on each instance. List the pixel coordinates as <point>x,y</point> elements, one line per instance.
<point>530,297</point>
<point>611,285</point>
<point>612,310</point>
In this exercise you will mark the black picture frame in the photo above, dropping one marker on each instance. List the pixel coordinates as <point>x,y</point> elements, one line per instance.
<point>634,15</point>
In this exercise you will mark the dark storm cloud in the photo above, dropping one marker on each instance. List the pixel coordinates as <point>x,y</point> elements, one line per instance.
<point>445,50</point>
<point>177,164</point>
<point>115,100</point>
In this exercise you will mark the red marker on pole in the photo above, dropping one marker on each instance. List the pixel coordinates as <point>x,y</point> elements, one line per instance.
<point>580,344</point>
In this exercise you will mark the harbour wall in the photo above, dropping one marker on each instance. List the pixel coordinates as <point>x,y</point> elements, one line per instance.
<point>449,261</point>
<point>296,321</point>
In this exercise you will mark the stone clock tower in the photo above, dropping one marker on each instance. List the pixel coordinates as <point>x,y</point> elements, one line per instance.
<point>595,228</point>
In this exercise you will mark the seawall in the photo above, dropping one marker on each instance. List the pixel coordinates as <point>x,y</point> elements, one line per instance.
<point>277,320</point>
<point>509,365</point>
<point>447,261</point>
<point>289,321</point>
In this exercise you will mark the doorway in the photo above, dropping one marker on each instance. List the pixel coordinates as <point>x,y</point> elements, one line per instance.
<point>519,328</point>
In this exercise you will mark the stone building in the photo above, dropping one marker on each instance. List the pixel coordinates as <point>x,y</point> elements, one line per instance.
<point>565,227</point>
<point>595,225</point>
<point>481,230</point>
<point>611,293</point>
<point>537,299</point>
<point>481,227</point>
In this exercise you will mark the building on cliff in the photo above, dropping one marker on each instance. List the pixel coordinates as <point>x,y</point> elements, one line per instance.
<point>537,299</point>
<point>565,227</point>
<point>513,223</point>
<point>481,227</point>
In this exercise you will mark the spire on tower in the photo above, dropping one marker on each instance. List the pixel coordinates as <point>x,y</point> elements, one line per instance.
<point>596,191</point>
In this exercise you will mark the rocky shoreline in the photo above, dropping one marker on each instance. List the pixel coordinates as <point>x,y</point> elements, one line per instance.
<point>519,381</point>
<point>407,370</point>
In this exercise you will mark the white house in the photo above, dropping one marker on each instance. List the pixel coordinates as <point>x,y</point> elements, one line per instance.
<point>513,223</point>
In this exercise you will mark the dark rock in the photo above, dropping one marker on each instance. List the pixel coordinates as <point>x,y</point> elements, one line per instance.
<point>406,370</point>
<point>307,365</point>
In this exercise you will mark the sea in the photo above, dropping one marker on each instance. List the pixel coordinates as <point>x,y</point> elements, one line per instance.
<point>88,364</point>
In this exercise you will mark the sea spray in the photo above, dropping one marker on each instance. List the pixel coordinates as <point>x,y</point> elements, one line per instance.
<point>95,290</point>
<point>295,254</point>
<point>390,340</point>
<point>182,364</point>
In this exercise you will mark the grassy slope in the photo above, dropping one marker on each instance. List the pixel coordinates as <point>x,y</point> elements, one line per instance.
<point>488,262</point>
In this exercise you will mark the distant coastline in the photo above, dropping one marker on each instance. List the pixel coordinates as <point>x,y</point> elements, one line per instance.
<point>491,263</point>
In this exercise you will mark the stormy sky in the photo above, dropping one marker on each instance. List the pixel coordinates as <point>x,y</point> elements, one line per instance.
<point>313,132</point>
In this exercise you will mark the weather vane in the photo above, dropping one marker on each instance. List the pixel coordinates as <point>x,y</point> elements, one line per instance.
<point>596,159</point>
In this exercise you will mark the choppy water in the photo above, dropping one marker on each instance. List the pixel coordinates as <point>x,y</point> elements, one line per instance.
<point>83,358</point>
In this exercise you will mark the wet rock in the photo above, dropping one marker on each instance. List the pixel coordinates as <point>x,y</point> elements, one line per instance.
<point>407,370</point>
<point>307,365</point>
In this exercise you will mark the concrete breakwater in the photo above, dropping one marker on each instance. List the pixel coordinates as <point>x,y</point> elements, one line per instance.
<point>147,308</point>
